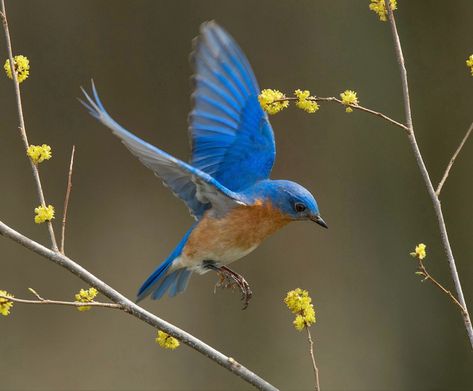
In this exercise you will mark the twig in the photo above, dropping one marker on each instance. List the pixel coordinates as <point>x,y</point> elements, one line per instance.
<point>423,272</point>
<point>312,356</point>
<point>452,160</point>
<point>425,175</point>
<point>66,199</point>
<point>22,128</point>
<point>66,303</point>
<point>356,107</point>
<point>134,310</point>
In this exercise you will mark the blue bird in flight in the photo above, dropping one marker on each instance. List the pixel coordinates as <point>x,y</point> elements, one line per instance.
<point>226,185</point>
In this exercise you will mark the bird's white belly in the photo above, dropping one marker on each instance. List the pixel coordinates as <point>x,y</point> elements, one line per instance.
<point>221,256</point>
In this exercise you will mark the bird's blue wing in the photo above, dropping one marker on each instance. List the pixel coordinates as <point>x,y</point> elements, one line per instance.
<point>232,139</point>
<point>196,188</point>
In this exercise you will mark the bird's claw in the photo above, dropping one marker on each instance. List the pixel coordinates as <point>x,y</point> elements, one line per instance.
<point>230,279</point>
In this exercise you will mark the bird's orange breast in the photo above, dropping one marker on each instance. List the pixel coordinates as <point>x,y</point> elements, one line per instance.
<point>243,228</point>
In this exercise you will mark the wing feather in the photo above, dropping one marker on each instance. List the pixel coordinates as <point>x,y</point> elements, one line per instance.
<point>196,188</point>
<point>232,139</point>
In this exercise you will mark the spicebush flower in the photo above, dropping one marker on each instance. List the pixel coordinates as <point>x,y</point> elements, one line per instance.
<point>43,214</point>
<point>268,98</point>
<point>309,106</point>
<point>5,304</point>
<point>419,251</point>
<point>469,63</point>
<point>166,341</point>
<point>349,98</point>
<point>22,67</point>
<point>379,7</point>
<point>86,296</point>
<point>39,153</point>
<point>300,304</point>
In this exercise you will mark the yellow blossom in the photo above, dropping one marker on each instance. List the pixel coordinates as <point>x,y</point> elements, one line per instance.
<point>309,315</point>
<point>379,7</point>
<point>469,63</point>
<point>310,106</point>
<point>297,300</point>
<point>349,98</point>
<point>22,67</point>
<point>5,304</point>
<point>44,213</point>
<point>166,341</point>
<point>39,153</point>
<point>268,98</point>
<point>419,251</point>
<point>300,303</point>
<point>86,296</point>
<point>299,323</point>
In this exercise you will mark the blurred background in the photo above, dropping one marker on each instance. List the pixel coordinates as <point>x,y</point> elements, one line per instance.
<point>378,328</point>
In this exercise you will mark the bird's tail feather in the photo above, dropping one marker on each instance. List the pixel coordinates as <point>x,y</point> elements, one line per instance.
<point>161,280</point>
<point>175,282</point>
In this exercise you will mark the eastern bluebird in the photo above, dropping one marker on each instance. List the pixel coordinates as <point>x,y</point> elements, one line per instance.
<point>226,185</point>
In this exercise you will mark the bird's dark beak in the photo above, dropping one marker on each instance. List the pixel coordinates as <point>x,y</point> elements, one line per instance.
<point>319,220</point>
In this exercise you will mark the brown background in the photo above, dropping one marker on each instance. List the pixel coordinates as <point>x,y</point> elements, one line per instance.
<point>378,327</point>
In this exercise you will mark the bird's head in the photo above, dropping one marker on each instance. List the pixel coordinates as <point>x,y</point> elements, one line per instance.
<point>291,199</point>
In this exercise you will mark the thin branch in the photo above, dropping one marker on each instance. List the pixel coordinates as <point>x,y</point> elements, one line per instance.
<point>356,107</point>
<point>425,175</point>
<point>452,160</point>
<point>66,303</point>
<point>134,310</point>
<point>21,120</point>
<point>423,272</point>
<point>66,199</point>
<point>312,356</point>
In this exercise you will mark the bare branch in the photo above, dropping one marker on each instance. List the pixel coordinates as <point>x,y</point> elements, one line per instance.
<point>424,273</point>
<point>312,356</point>
<point>134,310</point>
<point>66,199</point>
<point>21,120</point>
<point>356,107</point>
<point>425,174</point>
<point>58,302</point>
<point>452,160</point>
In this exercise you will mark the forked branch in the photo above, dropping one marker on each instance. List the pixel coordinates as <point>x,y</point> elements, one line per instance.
<point>425,174</point>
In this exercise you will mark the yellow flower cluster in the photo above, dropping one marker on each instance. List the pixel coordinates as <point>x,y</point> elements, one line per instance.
<point>272,101</point>
<point>349,98</point>
<point>39,153</point>
<point>5,304</point>
<point>469,63</point>
<point>86,296</point>
<point>22,67</point>
<point>309,106</point>
<point>300,304</point>
<point>166,341</point>
<point>44,213</point>
<point>419,251</point>
<point>379,7</point>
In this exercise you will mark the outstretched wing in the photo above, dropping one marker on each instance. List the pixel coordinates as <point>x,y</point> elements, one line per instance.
<point>196,188</point>
<point>232,139</point>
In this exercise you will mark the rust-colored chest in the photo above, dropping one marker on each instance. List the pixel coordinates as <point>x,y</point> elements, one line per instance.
<point>241,230</point>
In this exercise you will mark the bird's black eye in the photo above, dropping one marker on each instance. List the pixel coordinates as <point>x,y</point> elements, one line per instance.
<point>299,207</point>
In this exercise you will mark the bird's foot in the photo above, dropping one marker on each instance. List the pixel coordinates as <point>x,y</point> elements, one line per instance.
<point>231,279</point>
